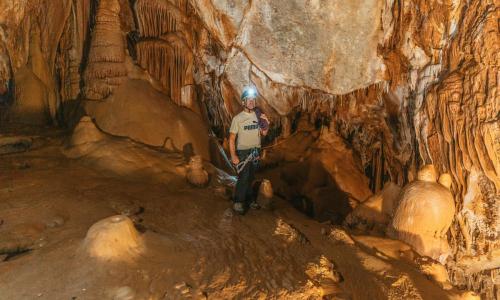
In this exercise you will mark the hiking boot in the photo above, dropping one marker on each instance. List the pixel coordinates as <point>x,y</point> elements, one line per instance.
<point>238,207</point>
<point>254,205</point>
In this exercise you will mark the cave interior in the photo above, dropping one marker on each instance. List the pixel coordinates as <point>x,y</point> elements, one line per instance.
<point>378,175</point>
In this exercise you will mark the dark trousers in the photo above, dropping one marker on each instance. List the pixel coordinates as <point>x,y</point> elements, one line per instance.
<point>244,189</point>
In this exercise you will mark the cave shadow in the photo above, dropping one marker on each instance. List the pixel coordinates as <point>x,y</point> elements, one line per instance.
<point>424,285</point>
<point>311,190</point>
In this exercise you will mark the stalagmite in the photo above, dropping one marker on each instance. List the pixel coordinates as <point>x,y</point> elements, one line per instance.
<point>86,132</point>
<point>114,239</point>
<point>266,194</point>
<point>377,209</point>
<point>196,174</point>
<point>106,69</point>
<point>445,180</point>
<point>424,214</point>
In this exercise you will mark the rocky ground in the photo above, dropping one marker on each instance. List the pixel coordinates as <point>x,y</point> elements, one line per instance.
<point>193,245</point>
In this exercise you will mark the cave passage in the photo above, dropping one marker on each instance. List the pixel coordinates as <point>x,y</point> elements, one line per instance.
<point>268,149</point>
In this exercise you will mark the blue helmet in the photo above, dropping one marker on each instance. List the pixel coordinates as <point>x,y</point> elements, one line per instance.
<point>249,92</point>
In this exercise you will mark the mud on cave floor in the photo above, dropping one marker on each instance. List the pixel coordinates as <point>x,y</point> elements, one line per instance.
<point>195,246</point>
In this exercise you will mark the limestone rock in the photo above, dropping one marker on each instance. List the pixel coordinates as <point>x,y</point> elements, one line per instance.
<point>323,271</point>
<point>289,233</point>
<point>20,238</point>
<point>339,42</point>
<point>122,293</point>
<point>222,17</point>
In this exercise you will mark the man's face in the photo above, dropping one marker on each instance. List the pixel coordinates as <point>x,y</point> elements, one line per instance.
<point>250,103</point>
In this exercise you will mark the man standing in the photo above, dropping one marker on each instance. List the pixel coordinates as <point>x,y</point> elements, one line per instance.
<point>245,145</point>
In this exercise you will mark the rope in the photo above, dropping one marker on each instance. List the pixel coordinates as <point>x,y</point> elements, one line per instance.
<point>280,142</point>
<point>252,157</point>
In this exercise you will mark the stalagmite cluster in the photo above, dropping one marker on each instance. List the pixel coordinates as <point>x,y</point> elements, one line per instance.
<point>105,69</point>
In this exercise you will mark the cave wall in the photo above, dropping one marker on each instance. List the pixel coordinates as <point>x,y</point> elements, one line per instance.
<point>42,43</point>
<point>406,83</point>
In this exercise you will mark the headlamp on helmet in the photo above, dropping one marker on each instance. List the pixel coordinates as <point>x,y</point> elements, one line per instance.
<point>249,92</point>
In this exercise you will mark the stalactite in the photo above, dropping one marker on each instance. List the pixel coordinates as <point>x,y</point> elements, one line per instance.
<point>156,18</point>
<point>105,69</point>
<point>167,62</point>
<point>163,48</point>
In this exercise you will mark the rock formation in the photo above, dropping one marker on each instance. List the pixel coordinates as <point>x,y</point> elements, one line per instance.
<point>424,214</point>
<point>113,239</point>
<point>196,174</point>
<point>86,132</point>
<point>378,209</point>
<point>265,194</point>
<point>139,111</point>
<point>165,46</point>
<point>105,69</point>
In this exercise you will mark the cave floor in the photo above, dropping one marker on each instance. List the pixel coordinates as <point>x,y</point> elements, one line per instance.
<point>195,246</point>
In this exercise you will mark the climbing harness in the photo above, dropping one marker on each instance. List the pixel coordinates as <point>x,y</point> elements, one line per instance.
<point>253,157</point>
